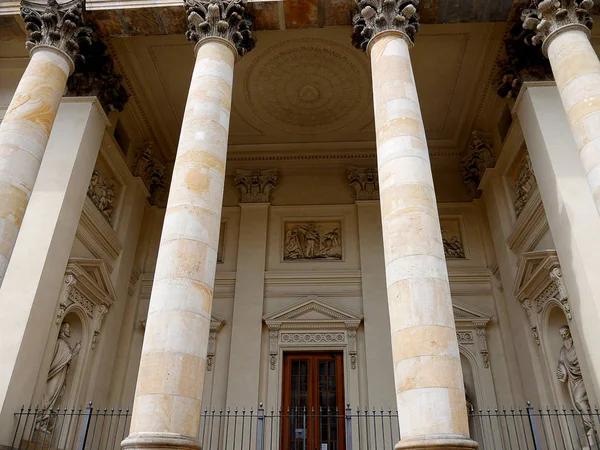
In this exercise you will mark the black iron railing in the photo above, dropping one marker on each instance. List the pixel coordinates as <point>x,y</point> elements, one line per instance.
<point>304,429</point>
<point>64,428</point>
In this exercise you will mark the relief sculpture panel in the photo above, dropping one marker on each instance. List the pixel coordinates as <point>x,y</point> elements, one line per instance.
<point>320,240</point>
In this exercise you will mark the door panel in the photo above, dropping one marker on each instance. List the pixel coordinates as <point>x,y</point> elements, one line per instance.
<point>313,402</point>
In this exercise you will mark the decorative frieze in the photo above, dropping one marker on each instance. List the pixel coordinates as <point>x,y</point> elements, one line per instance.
<point>255,186</point>
<point>364,182</point>
<point>539,286</point>
<point>549,16</point>
<point>225,19</point>
<point>524,184</point>
<point>312,240</point>
<point>151,171</point>
<point>375,16</point>
<point>95,76</point>
<point>478,157</point>
<point>101,191</point>
<point>57,25</point>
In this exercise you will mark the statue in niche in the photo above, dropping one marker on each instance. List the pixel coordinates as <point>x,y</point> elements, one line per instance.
<point>57,375</point>
<point>569,371</point>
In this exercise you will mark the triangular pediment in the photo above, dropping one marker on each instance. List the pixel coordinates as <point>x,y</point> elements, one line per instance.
<point>464,312</point>
<point>93,275</point>
<point>313,310</point>
<point>533,268</point>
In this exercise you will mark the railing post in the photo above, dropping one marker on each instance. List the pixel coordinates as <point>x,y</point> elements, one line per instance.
<point>260,427</point>
<point>87,419</point>
<point>348,427</point>
<point>537,444</point>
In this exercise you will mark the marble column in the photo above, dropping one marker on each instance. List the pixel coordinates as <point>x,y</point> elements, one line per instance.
<point>168,397</point>
<point>55,34</point>
<point>427,371</point>
<point>563,29</point>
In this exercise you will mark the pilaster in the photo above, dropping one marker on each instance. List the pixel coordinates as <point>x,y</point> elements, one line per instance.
<point>572,218</point>
<point>30,293</point>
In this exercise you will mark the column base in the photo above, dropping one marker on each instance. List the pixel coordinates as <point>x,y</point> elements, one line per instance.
<point>160,441</point>
<point>445,442</point>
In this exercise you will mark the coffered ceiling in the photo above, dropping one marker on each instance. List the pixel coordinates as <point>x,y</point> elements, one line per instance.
<point>310,88</point>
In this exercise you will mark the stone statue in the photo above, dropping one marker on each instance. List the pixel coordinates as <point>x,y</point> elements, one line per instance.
<point>568,370</point>
<point>57,375</point>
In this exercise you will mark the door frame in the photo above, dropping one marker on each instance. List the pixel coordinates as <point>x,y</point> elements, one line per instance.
<point>286,360</point>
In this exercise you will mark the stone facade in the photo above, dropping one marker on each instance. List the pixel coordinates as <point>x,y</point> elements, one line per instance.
<point>198,226</point>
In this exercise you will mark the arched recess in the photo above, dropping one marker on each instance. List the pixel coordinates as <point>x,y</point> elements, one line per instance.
<point>542,292</point>
<point>84,301</point>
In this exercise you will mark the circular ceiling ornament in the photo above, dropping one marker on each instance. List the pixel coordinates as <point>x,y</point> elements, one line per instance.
<point>308,86</point>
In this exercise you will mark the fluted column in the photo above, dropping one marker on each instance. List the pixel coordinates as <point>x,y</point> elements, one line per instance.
<point>168,397</point>
<point>55,34</point>
<point>427,370</point>
<point>562,27</point>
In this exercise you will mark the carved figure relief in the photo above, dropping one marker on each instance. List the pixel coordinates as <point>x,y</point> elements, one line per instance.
<point>255,185</point>
<point>568,371</point>
<point>312,241</point>
<point>364,182</point>
<point>57,375</point>
<point>101,191</point>
<point>524,184</point>
<point>478,157</point>
<point>452,238</point>
<point>151,171</point>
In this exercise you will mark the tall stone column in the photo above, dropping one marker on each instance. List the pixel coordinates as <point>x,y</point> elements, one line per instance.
<point>55,35</point>
<point>427,371</point>
<point>168,397</point>
<point>562,27</point>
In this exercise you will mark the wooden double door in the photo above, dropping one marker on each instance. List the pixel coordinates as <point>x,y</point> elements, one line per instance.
<point>313,402</point>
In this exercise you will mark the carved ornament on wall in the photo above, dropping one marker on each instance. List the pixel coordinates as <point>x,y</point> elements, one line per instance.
<point>101,191</point>
<point>216,324</point>
<point>452,238</point>
<point>255,186</point>
<point>312,240</point>
<point>525,184</point>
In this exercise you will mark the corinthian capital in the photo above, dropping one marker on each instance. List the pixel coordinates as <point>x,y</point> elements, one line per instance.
<point>551,15</point>
<point>60,26</point>
<point>375,16</point>
<point>225,19</point>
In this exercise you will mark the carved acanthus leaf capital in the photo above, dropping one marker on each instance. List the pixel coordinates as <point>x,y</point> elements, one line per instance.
<point>375,16</point>
<point>365,183</point>
<point>478,157</point>
<point>95,76</point>
<point>225,19</point>
<point>551,15</point>
<point>255,185</point>
<point>59,26</point>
